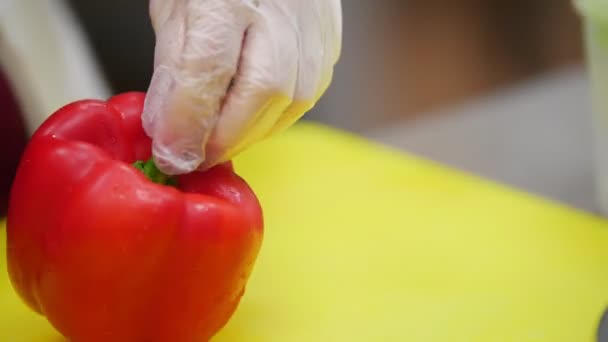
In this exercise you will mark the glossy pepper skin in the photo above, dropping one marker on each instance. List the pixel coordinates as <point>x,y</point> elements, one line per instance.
<point>108,255</point>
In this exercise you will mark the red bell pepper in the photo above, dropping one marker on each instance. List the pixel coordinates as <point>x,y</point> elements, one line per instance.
<point>110,249</point>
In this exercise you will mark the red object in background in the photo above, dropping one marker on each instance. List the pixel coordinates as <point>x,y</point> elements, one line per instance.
<point>13,138</point>
<point>105,253</point>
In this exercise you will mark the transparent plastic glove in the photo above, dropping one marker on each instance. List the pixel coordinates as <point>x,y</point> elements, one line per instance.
<point>231,72</point>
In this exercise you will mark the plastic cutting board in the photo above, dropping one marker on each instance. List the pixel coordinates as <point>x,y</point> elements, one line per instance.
<point>366,244</point>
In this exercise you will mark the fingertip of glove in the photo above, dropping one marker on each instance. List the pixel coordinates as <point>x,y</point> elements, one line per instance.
<point>176,161</point>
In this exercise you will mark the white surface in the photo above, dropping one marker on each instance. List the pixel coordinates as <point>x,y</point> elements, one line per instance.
<point>535,136</point>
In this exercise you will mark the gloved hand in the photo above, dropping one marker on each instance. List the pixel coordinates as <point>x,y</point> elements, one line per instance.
<point>231,72</point>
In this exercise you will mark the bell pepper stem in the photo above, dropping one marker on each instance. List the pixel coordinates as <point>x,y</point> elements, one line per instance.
<point>153,173</point>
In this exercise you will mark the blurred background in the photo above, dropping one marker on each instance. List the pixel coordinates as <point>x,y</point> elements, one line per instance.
<point>493,87</point>
<point>402,59</point>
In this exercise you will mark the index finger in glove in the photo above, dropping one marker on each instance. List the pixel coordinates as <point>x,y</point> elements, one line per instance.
<point>198,44</point>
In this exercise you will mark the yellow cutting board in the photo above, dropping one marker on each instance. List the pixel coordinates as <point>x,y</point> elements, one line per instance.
<point>366,244</point>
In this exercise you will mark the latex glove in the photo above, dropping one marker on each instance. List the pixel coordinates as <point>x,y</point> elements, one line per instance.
<point>231,72</point>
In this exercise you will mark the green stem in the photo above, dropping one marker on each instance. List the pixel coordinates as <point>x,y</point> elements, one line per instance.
<point>153,173</point>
